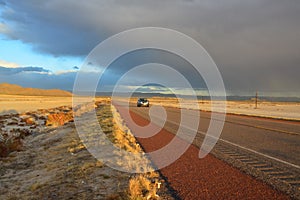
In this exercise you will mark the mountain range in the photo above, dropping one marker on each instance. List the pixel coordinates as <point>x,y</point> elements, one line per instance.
<point>12,89</point>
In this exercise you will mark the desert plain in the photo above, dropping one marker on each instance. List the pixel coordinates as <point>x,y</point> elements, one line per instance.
<point>46,155</point>
<point>278,110</point>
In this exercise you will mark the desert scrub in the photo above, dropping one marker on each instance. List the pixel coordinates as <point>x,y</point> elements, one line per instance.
<point>105,119</point>
<point>123,138</point>
<point>59,119</point>
<point>145,184</point>
<point>35,187</point>
<point>75,146</point>
<point>142,187</point>
<point>10,144</point>
<point>132,159</point>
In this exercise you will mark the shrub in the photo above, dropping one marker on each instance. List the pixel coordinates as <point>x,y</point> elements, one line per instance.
<point>9,145</point>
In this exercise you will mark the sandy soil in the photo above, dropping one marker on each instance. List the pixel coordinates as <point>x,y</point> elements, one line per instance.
<point>21,104</point>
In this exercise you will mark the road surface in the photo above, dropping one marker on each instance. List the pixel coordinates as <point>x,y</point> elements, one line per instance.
<point>276,138</point>
<point>268,149</point>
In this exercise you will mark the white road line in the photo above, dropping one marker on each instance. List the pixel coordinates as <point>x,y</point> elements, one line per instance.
<point>253,126</point>
<point>239,146</point>
<point>267,156</point>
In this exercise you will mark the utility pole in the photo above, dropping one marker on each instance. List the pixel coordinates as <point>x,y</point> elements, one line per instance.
<point>256,99</point>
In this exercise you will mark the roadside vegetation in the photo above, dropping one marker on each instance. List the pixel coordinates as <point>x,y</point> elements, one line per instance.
<point>52,162</point>
<point>142,185</point>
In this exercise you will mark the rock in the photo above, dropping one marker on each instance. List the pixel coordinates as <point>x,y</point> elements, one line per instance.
<point>15,119</point>
<point>29,121</point>
<point>22,124</point>
<point>42,118</point>
<point>12,123</point>
<point>32,127</point>
<point>1,138</point>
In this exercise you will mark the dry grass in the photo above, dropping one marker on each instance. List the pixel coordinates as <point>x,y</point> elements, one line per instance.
<point>75,146</point>
<point>56,165</point>
<point>140,187</point>
<point>143,185</point>
<point>60,165</point>
<point>9,145</point>
<point>126,142</point>
<point>123,137</point>
<point>35,187</point>
<point>59,119</point>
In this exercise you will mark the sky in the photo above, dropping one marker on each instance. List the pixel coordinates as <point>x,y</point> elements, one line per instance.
<point>255,44</point>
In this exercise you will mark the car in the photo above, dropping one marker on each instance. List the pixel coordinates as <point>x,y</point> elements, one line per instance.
<point>142,102</point>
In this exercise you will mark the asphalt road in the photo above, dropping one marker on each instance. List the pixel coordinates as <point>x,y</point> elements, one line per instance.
<point>189,177</point>
<point>279,139</point>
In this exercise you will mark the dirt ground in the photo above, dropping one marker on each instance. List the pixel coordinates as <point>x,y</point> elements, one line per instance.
<point>21,104</point>
<point>51,162</point>
<point>48,169</point>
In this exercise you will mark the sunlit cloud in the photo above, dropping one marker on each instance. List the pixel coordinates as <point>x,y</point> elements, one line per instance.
<point>7,64</point>
<point>4,29</point>
<point>17,70</point>
<point>65,71</point>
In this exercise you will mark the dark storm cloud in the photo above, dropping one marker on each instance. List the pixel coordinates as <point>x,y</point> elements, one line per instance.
<point>75,27</point>
<point>136,58</point>
<point>255,44</point>
<point>11,71</point>
<point>37,80</point>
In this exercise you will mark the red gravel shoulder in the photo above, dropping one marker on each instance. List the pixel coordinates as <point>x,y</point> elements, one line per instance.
<point>208,178</point>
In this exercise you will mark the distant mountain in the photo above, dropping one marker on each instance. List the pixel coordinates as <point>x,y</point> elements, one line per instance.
<point>6,88</point>
<point>229,98</point>
<point>136,94</point>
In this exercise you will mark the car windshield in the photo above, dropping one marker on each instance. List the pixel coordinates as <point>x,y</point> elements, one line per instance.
<point>142,99</point>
